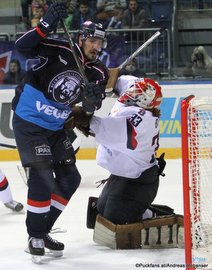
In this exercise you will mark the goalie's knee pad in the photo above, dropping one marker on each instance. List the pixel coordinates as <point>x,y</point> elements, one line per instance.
<point>92,212</point>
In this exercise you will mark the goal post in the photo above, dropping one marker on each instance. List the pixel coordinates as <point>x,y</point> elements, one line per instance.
<point>196,128</point>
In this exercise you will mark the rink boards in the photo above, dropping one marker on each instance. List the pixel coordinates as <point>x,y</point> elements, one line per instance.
<point>170,122</point>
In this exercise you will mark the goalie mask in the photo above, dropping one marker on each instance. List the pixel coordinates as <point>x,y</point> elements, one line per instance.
<point>95,30</point>
<point>144,93</point>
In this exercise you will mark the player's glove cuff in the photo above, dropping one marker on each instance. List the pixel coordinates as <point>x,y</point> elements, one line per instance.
<point>50,20</point>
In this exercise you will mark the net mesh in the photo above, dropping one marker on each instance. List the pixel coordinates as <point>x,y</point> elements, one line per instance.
<point>200,151</point>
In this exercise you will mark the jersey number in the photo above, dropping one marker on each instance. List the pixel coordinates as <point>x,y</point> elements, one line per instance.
<point>155,141</point>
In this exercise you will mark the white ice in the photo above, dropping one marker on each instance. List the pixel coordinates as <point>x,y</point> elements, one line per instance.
<point>80,250</point>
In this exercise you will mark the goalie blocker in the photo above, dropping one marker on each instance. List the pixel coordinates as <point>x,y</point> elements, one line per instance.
<point>163,231</point>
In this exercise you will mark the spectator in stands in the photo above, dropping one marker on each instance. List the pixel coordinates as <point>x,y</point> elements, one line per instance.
<point>115,22</point>
<point>25,6</point>
<point>38,13</point>
<point>113,55</point>
<point>200,64</point>
<point>103,15</point>
<point>15,73</point>
<point>70,11</point>
<point>105,11</point>
<point>73,4</point>
<point>26,14</point>
<point>81,15</point>
<point>111,4</point>
<point>134,16</point>
<point>37,3</point>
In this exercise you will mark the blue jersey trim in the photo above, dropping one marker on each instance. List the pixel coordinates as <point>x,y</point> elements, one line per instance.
<point>34,107</point>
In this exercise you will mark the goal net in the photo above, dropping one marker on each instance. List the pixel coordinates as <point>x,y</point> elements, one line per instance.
<point>196,121</point>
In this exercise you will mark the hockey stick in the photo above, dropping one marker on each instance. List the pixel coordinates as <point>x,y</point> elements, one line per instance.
<point>8,146</point>
<point>72,46</point>
<point>115,71</point>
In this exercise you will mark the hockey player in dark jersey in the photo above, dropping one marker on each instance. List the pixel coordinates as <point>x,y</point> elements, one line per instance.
<point>6,195</point>
<point>41,105</point>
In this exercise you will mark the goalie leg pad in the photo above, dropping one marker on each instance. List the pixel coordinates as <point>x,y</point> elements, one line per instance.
<point>163,232</point>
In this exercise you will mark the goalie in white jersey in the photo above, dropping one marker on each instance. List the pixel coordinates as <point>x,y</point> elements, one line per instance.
<point>128,140</point>
<point>129,137</point>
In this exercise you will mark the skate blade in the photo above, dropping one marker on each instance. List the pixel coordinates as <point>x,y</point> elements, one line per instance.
<point>37,259</point>
<point>27,250</point>
<point>53,253</point>
<point>48,253</point>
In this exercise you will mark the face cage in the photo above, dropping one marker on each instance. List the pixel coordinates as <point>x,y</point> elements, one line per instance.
<point>138,97</point>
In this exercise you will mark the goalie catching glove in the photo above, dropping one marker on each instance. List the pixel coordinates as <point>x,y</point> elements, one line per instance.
<point>79,119</point>
<point>53,15</point>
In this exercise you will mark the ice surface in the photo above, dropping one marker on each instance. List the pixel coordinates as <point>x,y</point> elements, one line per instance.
<point>80,250</point>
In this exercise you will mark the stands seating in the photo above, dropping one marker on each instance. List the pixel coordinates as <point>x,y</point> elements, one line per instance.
<point>144,4</point>
<point>207,4</point>
<point>190,4</point>
<point>161,10</point>
<point>194,4</point>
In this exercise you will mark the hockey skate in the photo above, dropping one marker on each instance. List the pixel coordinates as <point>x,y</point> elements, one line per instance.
<point>36,248</point>
<point>53,247</point>
<point>15,206</point>
<point>47,246</point>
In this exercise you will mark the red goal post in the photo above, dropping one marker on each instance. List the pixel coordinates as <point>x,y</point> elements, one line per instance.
<point>196,128</point>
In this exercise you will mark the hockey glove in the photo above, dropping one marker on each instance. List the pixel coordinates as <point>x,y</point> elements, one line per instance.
<point>50,20</point>
<point>92,96</point>
<point>79,119</point>
<point>161,164</point>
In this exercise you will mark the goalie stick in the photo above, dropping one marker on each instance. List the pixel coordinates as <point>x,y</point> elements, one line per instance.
<point>115,71</point>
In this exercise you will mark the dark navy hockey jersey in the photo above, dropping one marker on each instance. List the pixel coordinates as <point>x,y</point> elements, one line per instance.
<point>52,87</point>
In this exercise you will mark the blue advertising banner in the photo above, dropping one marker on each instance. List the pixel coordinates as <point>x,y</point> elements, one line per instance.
<point>170,121</point>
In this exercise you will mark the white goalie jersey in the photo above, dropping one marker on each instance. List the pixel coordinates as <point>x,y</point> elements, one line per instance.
<point>128,139</point>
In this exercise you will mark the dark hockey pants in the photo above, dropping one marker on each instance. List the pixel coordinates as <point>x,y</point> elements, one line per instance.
<point>125,200</point>
<point>43,187</point>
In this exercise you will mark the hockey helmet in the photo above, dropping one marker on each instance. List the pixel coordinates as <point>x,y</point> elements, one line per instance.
<point>144,93</point>
<point>91,29</point>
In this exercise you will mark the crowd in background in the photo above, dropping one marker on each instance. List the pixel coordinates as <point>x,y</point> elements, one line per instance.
<point>112,14</point>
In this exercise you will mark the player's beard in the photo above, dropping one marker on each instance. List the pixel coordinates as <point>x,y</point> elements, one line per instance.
<point>92,55</point>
